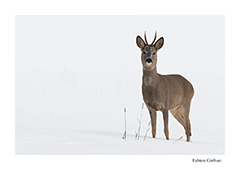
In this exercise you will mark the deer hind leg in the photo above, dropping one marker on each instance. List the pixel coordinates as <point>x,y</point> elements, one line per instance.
<point>153,115</point>
<point>181,113</point>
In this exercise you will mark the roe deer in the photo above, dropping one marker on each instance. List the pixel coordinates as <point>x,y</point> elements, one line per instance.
<point>164,92</point>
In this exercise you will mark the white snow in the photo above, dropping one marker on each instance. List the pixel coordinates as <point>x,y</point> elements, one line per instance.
<point>75,75</point>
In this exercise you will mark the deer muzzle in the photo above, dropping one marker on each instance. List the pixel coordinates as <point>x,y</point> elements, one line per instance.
<point>149,61</point>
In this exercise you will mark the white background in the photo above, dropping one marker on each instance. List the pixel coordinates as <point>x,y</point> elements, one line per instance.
<point>75,74</point>
<point>10,9</point>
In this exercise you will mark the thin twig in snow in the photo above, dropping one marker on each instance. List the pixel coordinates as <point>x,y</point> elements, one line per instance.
<point>177,140</point>
<point>137,135</point>
<point>125,132</point>
<point>147,131</point>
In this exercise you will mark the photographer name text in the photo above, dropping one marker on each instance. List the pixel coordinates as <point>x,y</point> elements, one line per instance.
<point>208,160</point>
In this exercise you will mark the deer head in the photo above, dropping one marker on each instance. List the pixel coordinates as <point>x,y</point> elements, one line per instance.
<point>149,52</point>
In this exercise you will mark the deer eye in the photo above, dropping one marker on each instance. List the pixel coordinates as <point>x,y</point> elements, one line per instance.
<point>154,53</point>
<point>144,53</point>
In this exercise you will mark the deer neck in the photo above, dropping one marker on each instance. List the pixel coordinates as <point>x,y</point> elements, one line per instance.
<point>150,76</point>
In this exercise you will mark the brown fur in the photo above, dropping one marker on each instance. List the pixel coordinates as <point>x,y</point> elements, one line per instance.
<point>164,92</point>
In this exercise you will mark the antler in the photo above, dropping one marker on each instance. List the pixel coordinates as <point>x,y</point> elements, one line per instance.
<point>154,37</point>
<point>145,37</point>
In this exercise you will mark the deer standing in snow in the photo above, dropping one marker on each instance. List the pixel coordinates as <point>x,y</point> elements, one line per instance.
<point>164,92</point>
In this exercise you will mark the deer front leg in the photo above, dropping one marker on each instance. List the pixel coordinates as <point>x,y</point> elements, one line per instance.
<point>165,118</point>
<point>153,116</point>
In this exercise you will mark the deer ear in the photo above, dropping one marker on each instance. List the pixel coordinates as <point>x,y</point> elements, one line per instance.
<point>159,43</point>
<point>140,42</point>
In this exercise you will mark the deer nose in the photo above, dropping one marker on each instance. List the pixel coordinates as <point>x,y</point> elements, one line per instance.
<point>149,61</point>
